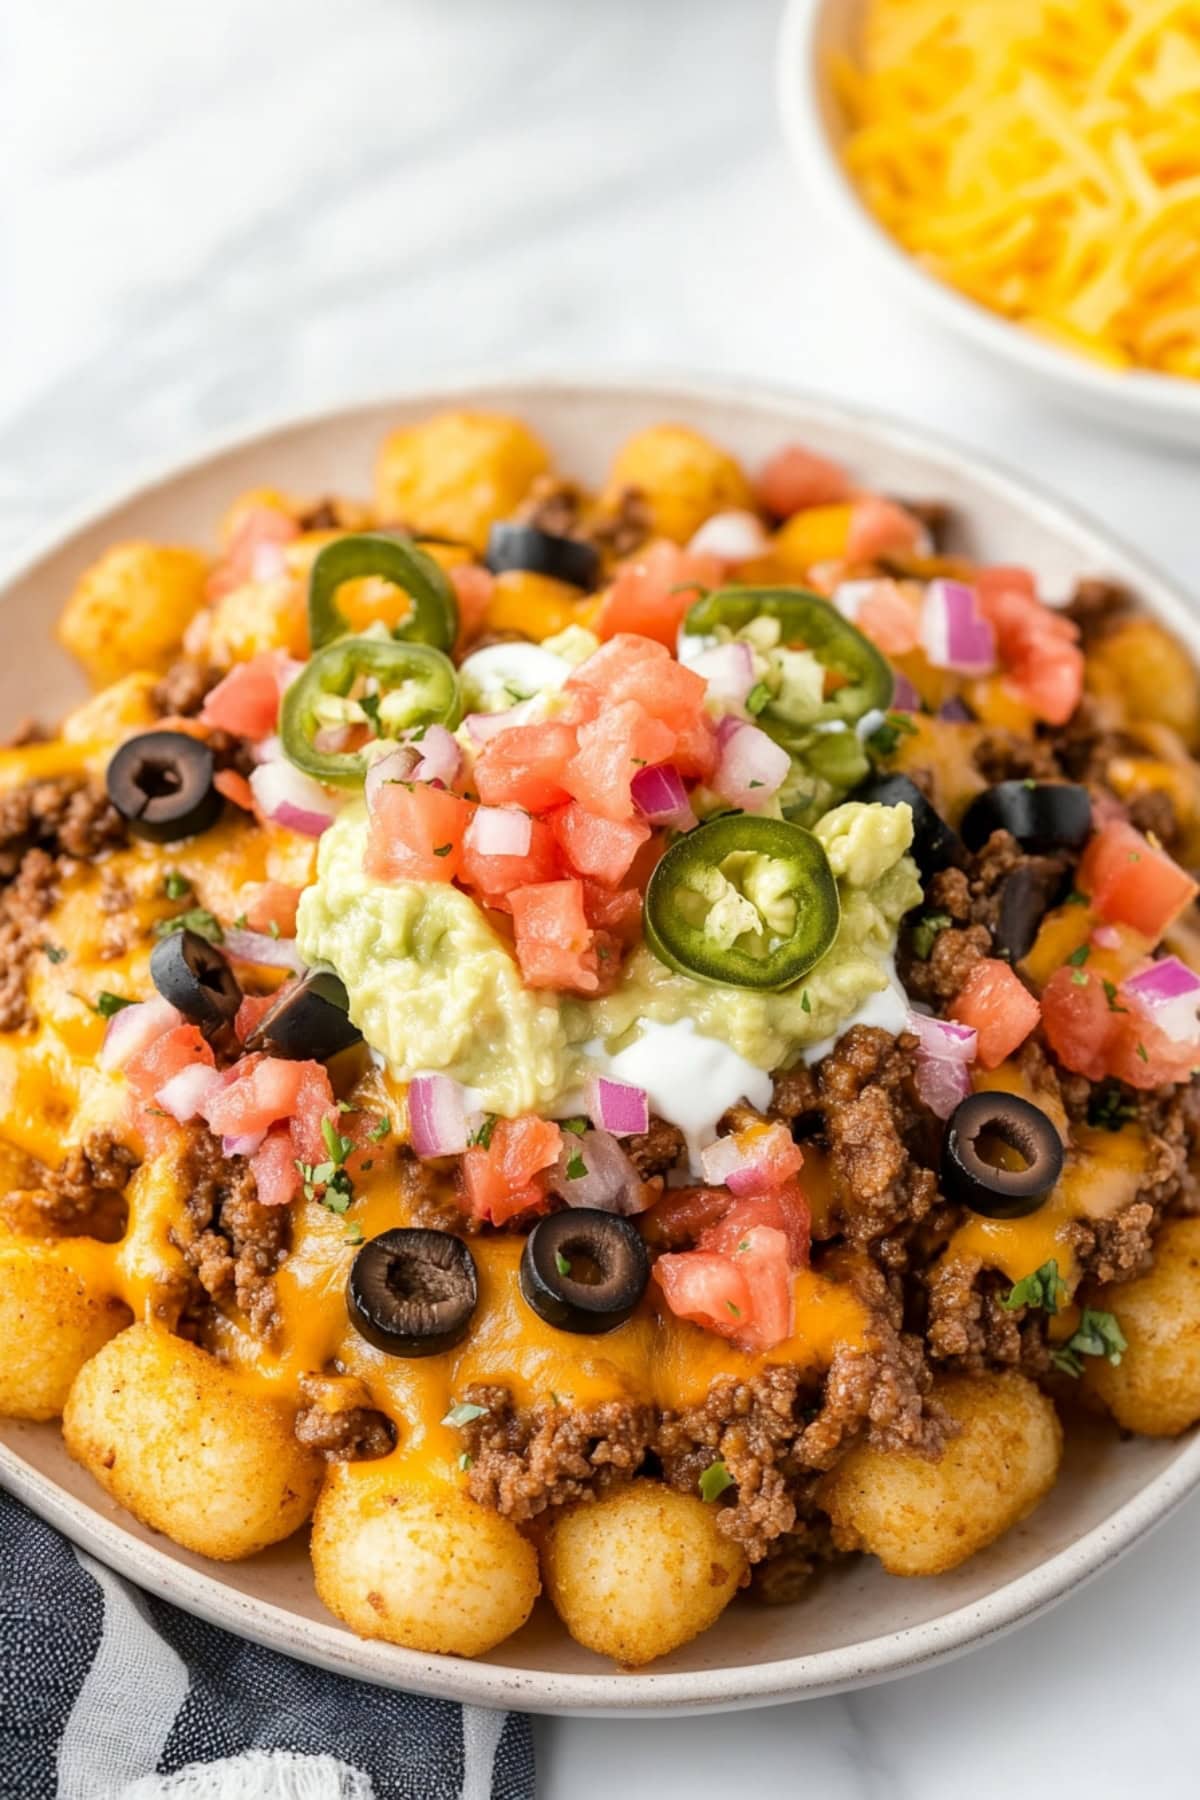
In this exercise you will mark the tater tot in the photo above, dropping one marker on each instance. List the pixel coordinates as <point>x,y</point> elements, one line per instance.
<point>456,474</point>
<point>424,1566</point>
<point>682,475</point>
<point>131,608</point>
<point>188,1447</point>
<point>1155,1388</point>
<point>640,1572</point>
<point>922,1517</point>
<point>50,1325</point>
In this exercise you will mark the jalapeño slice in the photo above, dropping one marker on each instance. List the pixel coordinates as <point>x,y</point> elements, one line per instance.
<point>434,616</point>
<point>806,622</point>
<point>422,674</point>
<point>743,902</point>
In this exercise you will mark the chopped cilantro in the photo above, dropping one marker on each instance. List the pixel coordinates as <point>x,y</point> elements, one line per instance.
<point>482,1135</point>
<point>370,706</point>
<point>463,1412</point>
<point>926,930</point>
<point>805,1002</point>
<point>1142,1052</point>
<point>885,739</point>
<point>562,1263</point>
<point>1075,898</point>
<point>241,921</point>
<point>339,1147</point>
<point>54,953</point>
<point>344,1106</point>
<point>1044,1288</point>
<point>754,784</point>
<point>576,1126</point>
<point>464,1461</point>
<point>354,1232</point>
<point>107,1004</point>
<point>1110,994</point>
<point>176,885</point>
<point>198,919</point>
<point>380,1129</point>
<point>735,1310</point>
<point>1097,1334</point>
<point>576,1166</point>
<point>715,1479</point>
<point>1108,1108</point>
<point>758,699</point>
<point>442,849</point>
<point>1079,978</point>
<point>1079,956</point>
<point>556,1398</point>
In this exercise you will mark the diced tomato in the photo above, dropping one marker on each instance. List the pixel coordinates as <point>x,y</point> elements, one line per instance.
<point>264,1090</point>
<point>273,904</point>
<point>508,1176</point>
<point>494,878</point>
<point>1132,883</point>
<point>473,590</point>
<point>235,788</point>
<point>879,526</point>
<point>891,618</point>
<point>612,748</point>
<point>783,1209</point>
<point>772,1157</point>
<point>615,912</point>
<point>273,1164</point>
<point>696,753</point>
<point>555,944</point>
<point>168,1055</point>
<point>651,594</point>
<point>599,848</point>
<point>416,833</point>
<point>250,1013</point>
<point>761,1256</point>
<point>996,1003</point>
<point>246,702</point>
<point>795,478</point>
<point>1037,646</point>
<point>631,667</point>
<point>313,1104</point>
<point>706,1287</point>
<point>525,766</point>
<point>249,557</point>
<point>1100,1035</point>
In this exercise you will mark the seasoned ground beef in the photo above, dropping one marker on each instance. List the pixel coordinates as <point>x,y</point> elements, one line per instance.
<point>560,507</point>
<point>657,1150</point>
<point>184,688</point>
<point>86,1196</point>
<point>24,905</point>
<point>524,1460</point>
<point>1096,604</point>
<point>872,1123</point>
<point>969,1328</point>
<point>232,1242</point>
<point>793,1559</point>
<point>1004,756</point>
<point>430,1195</point>
<point>64,816</point>
<point>336,1417</point>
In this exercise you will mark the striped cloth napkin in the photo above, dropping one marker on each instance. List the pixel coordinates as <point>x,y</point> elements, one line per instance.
<point>107,1693</point>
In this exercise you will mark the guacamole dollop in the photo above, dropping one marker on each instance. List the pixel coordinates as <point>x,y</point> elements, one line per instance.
<point>433,985</point>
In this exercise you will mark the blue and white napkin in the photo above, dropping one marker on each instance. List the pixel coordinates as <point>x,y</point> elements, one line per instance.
<point>107,1693</point>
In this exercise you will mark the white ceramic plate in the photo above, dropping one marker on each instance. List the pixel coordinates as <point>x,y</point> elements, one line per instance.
<point>858,1625</point>
<point>813,30</point>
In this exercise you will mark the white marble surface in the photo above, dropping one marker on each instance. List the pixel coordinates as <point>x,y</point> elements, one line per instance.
<point>213,213</point>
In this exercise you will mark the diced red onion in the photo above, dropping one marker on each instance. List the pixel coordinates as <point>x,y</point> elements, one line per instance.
<point>617,1106</point>
<point>500,831</point>
<point>134,1029</point>
<point>260,947</point>
<point>289,797</point>
<point>244,1145</point>
<point>734,537</point>
<point>397,765</point>
<point>437,1116</point>
<point>728,669</point>
<point>954,633</point>
<point>849,596</point>
<point>185,1094</point>
<point>955,711</point>
<point>610,1183</point>
<point>1169,992</point>
<point>905,697</point>
<point>440,756</point>
<point>1106,937</point>
<point>943,1063</point>
<point>726,727</point>
<point>751,767</point>
<point>483,726</point>
<point>267,561</point>
<point>659,794</point>
<point>330,740</point>
<point>268,749</point>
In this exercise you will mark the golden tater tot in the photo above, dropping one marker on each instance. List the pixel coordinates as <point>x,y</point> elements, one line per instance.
<point>187,1447</point>
<point>683,477</point>
<point>265,615</point>
<point>1155,1388</point>
<point>50,1326</point>
<point>922,1517</point>
<point>423,1566</point>
<point>456,474</point>
<point>1140,664</point>
<point>640,1572</point>
<point>131,608</point>
<point>116,711</point>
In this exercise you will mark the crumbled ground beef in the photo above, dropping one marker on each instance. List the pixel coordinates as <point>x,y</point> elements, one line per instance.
<point>794,1558</point>
<point>657,1150</point>
<point>526,1459</point>
<point>1004,756</point>
<point>24,905</point>
<point>184,688</point>
<point>969,1327</point>
<point>232,1242</point>
<point>560,507</point>
<point>1096,604</point>
<point>64,816</point>
<point>86,1196</point>
<point>935,515</point>
<point>430,1195</point>
<point>336,1417</point>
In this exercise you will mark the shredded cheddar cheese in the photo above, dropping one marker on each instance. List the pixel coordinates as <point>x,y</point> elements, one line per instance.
<point>1042,156</point>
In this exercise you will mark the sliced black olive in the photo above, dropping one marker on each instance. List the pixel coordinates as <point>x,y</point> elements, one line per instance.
<point>512,545</point>
<point>583,1270</point>
<point>412,1292</point>
<point>935,845</point>
<point>309,1020</point>
<point>1041,815</point>
<point>1026,896</point>
<point>196,978</point>
<point>161,783</point>
<point>1001,1156</point>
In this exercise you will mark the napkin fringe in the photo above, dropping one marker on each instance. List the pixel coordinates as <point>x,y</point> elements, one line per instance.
<point>259,1775</point>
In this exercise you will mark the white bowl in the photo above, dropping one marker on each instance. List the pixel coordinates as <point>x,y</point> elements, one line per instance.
<point>813,30</point>
<point>857,1625</point>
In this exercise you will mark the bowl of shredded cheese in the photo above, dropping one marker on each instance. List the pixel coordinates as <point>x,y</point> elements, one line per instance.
<point>1027,169</point>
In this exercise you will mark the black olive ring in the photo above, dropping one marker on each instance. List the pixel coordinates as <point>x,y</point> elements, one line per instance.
<point>309,1019</point>
<point>412,1292</point>
<point>584,1270</point>
<point>161,783</point>
<point>1041,815</point>
<point>969,1179</point>
<point>196,978</point>
<point>513,545</point>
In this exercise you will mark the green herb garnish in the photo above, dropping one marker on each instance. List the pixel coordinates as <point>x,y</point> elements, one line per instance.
<point>54,953</point>
<point>1078,957</point>
<point>715,1479</point>
<point>927,929</point>
<point>176,885</point>
<point>758,699</point>
<point>1097,1334</point>
<point>107,1004</point>
<point>562,1263</point>
<point>884,741</point>
<point>576,1167</point>
<point>1045,1288</point>
<point>198,919</point>
<point>463,1412</point>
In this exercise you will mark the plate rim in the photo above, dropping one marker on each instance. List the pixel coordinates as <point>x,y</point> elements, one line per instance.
<point>622,1694</point>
